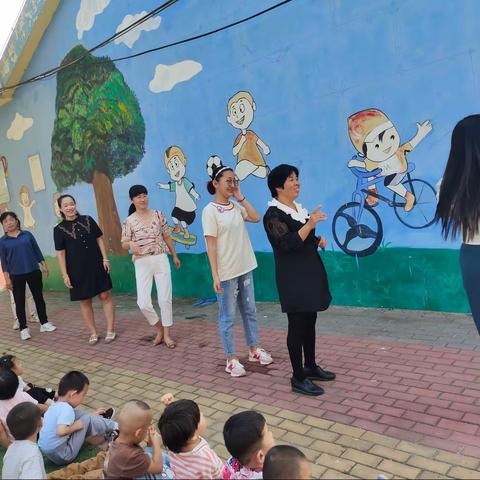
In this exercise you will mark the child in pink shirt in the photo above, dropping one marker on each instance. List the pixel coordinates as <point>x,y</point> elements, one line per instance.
<point>10,396</point>
<point>181,427</point>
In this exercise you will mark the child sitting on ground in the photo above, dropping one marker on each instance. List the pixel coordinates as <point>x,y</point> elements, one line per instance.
<point>42,395</point>
<point>65,428</point>
<point>182,426</point>
<point>285,462</point>
<point>247,439</point>
<point>23,459</point>
<point>10,396</point>
<point>125,457</point>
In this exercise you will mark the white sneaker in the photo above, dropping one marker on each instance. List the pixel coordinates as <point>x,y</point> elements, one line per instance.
<point>260,355</point>
<point>16,325</point>
<point>34,319</point>
<point>25,334</point>
<point>47,327</point>
<point>235,368</point>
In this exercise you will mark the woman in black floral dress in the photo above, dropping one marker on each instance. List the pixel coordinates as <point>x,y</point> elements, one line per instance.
<point>84,264</point>
<point>301,277</point>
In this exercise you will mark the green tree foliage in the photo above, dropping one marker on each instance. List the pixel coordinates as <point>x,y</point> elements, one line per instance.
<point>98,124</point>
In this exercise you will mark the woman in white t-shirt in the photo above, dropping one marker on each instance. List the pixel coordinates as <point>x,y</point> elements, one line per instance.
<point>232,260</point>
<point>458,207</point>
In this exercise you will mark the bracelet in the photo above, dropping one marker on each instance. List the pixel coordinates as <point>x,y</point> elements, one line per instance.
<point>243,199</point>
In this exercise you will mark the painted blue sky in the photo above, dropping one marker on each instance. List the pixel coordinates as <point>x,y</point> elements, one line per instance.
<point>309,65</point>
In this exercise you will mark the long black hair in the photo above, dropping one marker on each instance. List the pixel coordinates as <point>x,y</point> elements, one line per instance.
<point>4,215</point>
<point>458,208</point>
<point>135,191</point>
<point>59,203</point>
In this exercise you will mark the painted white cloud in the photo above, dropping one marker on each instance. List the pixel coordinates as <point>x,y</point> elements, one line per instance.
<point>167,76</point>
<point>133,35</point>
<point>87,12</point>
<point>18,127</point>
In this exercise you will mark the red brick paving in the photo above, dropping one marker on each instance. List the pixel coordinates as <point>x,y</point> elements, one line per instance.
<point>419,393</point>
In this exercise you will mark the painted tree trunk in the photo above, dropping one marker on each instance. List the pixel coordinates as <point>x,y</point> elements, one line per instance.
<point>108,213</point>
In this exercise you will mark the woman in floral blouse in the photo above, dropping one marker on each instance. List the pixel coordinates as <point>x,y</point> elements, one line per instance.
<point>146,234</point>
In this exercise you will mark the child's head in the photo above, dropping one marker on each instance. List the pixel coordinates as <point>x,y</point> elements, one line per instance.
<point>240,110</point>
<point>11,362</point>
<point>180,423</point>
<point>8,384</point>
<point>286,462</point>
<point>134,420</point>
<point>175,162</point>
<point>248,438</point>
<point>24,420</point>
<point>73,387</point>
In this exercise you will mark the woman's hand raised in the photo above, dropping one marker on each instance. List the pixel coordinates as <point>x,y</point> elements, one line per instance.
<point>316,216</point>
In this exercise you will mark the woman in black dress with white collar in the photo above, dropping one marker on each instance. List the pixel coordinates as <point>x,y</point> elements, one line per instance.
<point>301,277</point>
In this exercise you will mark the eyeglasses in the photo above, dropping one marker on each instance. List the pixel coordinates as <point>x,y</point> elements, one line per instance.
<point>230,182</point>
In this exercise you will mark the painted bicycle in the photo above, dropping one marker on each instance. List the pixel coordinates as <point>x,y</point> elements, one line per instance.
<point>357,227</point>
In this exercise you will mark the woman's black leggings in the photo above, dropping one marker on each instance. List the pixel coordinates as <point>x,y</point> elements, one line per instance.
<point>301,336</point>
<point>470,265</point>
<point>34,280</point>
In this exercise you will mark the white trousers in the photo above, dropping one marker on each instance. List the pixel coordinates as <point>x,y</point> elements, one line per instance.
<point>146,269</point>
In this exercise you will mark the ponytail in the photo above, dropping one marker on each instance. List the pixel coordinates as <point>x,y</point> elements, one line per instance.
<point>131,209</point>
<point>210,188</point>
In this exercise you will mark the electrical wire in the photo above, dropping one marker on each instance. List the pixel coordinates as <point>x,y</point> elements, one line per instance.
<point>144,52</point>
<point>112,38</point>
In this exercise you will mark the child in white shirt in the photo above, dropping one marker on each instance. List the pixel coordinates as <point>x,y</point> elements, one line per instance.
<point>23,459</point>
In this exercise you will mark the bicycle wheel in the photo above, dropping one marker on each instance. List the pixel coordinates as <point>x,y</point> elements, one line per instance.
<point>357,239</point>
<point>422,214</point>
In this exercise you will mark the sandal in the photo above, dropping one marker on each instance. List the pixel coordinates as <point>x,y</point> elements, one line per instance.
<point>110,337</point>
<point>170,343</point>
<point>93,340</point>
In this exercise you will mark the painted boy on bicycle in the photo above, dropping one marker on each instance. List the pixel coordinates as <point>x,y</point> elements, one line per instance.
<point>377,140</point>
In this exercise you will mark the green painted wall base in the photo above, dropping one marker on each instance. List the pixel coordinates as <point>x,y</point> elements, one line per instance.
<point>407,278</point>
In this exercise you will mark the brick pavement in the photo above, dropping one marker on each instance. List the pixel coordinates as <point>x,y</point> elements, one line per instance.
<point>397,409</point>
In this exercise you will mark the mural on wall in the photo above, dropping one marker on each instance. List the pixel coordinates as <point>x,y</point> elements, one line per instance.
<point>4,193</point>
<point>357,227</point>
<point>131,37</point>
<point>56,208</point>
<point>36,173</point>
<point>26,203</point>
<point>98,134</point>
<point>247,145</point>
<point>183,214</point>
<point>167,76</point>
<point>18,127</point>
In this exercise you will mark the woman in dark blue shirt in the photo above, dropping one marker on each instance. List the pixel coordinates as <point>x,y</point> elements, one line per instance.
<point>21,257</point>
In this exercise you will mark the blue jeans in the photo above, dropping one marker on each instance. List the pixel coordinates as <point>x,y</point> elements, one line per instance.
<point>237,290</point>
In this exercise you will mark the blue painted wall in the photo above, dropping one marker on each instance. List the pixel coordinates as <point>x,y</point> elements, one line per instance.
<point>309,65</point>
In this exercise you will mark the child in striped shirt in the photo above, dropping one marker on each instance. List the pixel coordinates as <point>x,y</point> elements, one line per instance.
<point>181,427</point>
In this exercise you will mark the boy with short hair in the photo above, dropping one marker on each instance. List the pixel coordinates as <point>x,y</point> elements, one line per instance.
<point>23,459</point>
<point>66,428</point>
<point>125,457</point>
<point>286,462</point>
<point>182,426</point>
<point>248,441</point>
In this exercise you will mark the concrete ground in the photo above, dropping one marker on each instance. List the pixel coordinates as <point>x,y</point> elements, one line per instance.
<point>406,402</point>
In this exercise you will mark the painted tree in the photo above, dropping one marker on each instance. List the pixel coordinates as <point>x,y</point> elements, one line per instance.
<point>98,135</point>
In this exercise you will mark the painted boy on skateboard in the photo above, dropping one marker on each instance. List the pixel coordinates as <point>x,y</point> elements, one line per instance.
<point>183,213</point>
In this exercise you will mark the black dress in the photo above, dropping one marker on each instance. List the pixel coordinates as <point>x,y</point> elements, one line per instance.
<point>83,257</point>
<point>301,277</point>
